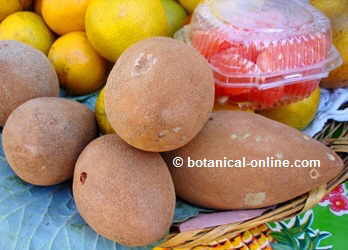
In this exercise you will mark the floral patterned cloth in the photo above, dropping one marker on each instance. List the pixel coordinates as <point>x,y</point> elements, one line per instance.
<point>323,227</point>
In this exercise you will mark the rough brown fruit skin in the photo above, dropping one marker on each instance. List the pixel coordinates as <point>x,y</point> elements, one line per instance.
<point>234,135</point>
<point>124,194</point>
<point>43,138</point>
<point>25,73</point>
<point>159,94</point>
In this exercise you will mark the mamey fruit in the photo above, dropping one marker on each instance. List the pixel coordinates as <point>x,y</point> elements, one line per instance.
<point>43,138</point>
<point>64,16</point>
<point>25,73</point>
<point>80,69</point>
<point>124,194</point>
<point>159,94</point>
<point>232,135</point>
<point>297,115</point>
<point>111,24</point>
<point>103,122</point>
<point>176,15</point>
<point>27,27</point>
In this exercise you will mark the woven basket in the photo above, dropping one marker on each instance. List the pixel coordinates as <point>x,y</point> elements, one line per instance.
<point>335,135</point>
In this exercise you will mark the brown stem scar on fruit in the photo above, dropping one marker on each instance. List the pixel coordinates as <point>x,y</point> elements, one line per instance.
<point>331,157</point>
<point>314,174</point>
<point>306,137</point>
<point>83,177</point>
<point>143,64</point>
<point>254,199</point>
<point>279,155</point>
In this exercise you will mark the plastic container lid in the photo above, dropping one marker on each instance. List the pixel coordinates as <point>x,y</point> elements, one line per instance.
<point>261,19</point>
<point>263,43</point>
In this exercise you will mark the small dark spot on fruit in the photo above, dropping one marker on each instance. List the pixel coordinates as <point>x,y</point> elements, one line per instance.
<point>83,178</point>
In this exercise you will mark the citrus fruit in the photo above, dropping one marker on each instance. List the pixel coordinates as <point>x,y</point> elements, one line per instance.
<point>38,6</point>
<point>301,89</point>
<point>103,122</point>
<point>190,5</point>
<point>209,43</point>
<point>176,15</point>
<point>220,106</point>
<point>298,114</point>
<point>225,64</point>
<point>114,25</point>
<point>260,98</point>
<point>64,16</point>
<point>331,8</point>
<point>80,69</point>
<point>231,62</point>
<point>7,7</point>
<point>29,28</point>
<point>287,55</point>
<point>25,3</point>
<point>339,77</point>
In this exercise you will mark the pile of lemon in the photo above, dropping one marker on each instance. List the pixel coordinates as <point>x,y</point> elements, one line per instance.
<point>83,38</point>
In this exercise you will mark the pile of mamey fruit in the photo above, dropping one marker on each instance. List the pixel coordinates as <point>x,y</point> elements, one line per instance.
<point>159,104</point>
<point>159,98</point>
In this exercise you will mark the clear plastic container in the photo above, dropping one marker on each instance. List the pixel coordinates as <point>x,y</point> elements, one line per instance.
<point>264,53</point>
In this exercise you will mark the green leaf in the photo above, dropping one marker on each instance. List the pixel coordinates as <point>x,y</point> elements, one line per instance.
<point>318,237</point>
<point>284,238</point>
<point>305,242</point>
<point>308,222</point>
<point>297,222</point>
<point>279,246</point>
<point>284,226</point>
<point>324,235</point>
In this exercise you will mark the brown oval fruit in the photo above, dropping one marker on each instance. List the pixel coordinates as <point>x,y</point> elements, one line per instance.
<point>25,73</point>
<point>124,194</point>
<point>43,138</point>
<point>159,94</point>
<point>232,135</point>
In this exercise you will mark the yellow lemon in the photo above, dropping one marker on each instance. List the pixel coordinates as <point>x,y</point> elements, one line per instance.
<point>176,15</point>
<point>103,122</point>
<point>331,8</point>
<point>80,69</point>
<point>29,28</point>
<point>190,5</point>
<point>64,16</point>
<point>298,115</point>
<point>339,77</point>
<point>7,7</point>
<point>38,6</point>
<point>25,3</point>
<point>114,25</point>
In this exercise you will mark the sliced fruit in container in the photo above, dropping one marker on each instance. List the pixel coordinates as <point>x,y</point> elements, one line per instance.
<point>264,53</point>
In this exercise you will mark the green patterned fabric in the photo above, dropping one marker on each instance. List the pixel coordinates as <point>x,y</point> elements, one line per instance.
<point>323,227</point>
